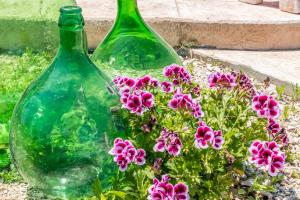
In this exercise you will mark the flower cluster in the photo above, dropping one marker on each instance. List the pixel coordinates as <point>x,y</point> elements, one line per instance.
<point>175,101</point>
<point>177,74</point>
<point>168,141</point>
<point>125,153</point>
<point>273,127</point>
<point>276,132</point>
<point>265,106</point>
<point>205,135</point>
<point>163,190</point>
<point>167,87</point>
<point>185,102</point>
<point>124,83</point>
<point>137,101</point>
<point>283,136</point>
<point>244,83</point>
<point>221,80</point>
<point>133,97</point>
<point>267,155</point>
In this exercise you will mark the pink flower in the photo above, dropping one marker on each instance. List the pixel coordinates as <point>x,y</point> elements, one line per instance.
<point>160,145</point>
<point>134,104</point>
<point>283,136</point>
<point>203,136</point>
<point>125,153</point>
<point>123,81</point>
<point>265,106</point>
<point>122,162</point>
<point>166,87</point>
<point>137,101</point>
<point>143,82</point>
<point>185,102</point>
<point>267,155</point>
<point>244,83</point>
<point>221,80</point>
<point>217,140</point>
<point>273,127</point>
<point>277,164</point>
<point>130,153</point>
<point>124,97</point>
<point>196,110</point>
<point>163,190</point>
<point>147,99</point>
<point>174,146</point>
<point>181,192</point>
<point>140,157</point>
<point>168,141</point>
<point>177,74</point>
<point>173,103</point>
<point>196,91</point>
<point>130,82</point>
<point>154,83</point>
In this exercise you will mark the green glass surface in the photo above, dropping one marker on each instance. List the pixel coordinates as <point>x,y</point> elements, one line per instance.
<point>132,47</point>
<point>66,121</point>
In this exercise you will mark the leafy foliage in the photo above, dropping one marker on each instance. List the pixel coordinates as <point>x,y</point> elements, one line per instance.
<point>16,74</point>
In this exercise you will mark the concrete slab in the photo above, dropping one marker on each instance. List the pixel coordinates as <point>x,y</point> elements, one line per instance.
<point>234,11</point>
<point>282,67</point>
<point>226,24</point>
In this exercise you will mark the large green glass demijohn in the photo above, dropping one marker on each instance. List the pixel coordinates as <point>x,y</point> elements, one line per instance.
<point>65,122</point>
<point>132,47</point>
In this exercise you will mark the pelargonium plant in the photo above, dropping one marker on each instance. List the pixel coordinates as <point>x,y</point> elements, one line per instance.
<point>203,137</point>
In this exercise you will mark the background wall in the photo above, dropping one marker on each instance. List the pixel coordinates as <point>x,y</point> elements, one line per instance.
<point>30,23</point>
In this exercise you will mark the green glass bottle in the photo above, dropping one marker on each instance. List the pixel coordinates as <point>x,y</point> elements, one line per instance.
<point>132,47</point>
<point>65,122</point>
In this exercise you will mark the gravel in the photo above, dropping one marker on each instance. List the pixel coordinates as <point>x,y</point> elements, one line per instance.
<point>15,191</point>
<point>288,189</point>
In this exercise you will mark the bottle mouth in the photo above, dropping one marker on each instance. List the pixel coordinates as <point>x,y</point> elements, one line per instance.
<point>70,17</point>
<point>70,10</point>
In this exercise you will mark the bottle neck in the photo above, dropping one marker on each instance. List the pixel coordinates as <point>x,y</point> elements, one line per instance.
<point>72,40</point>
<point>128,8</point>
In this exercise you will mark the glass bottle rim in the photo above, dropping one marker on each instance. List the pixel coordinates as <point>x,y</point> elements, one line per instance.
<point>70,10</point>
<point>71,18</point>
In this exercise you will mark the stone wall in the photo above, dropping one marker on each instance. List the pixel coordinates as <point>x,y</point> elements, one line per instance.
<point>29,23</point>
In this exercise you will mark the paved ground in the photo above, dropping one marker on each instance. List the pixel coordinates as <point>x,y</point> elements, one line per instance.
<point>282,67</point>
<point>226,24</point>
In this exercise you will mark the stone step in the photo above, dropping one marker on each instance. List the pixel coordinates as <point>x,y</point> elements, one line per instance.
<point>224,24</point>
<point>282,67</point>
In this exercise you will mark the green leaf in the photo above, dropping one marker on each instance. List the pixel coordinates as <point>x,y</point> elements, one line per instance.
<point>102,197</point>
<point>119,194</point>
<point>4,159</point>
